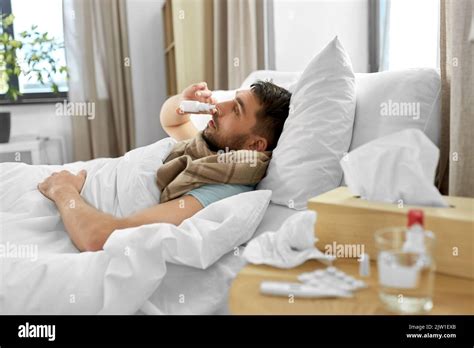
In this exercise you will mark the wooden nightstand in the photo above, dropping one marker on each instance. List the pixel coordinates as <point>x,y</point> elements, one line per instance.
<point>452,295</point>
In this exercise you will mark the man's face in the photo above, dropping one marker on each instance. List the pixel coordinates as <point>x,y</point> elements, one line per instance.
<point>232,123</point>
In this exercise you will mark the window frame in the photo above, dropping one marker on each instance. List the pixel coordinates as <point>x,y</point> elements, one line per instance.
<point>27,98</point>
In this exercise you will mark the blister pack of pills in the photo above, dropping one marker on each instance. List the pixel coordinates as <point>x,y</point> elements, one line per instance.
<point>333,278</point>
<point>329,282</point>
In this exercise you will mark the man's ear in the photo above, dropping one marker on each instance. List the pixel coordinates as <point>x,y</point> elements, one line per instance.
<point>258,143</point>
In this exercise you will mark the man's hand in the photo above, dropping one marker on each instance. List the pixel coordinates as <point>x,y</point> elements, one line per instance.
<point>60,182</point>
<point>198,92</point>
<point>177,124</point>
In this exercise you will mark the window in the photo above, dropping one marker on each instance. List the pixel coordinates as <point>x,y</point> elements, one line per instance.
<point>47,15</point>
<point>413,34</point>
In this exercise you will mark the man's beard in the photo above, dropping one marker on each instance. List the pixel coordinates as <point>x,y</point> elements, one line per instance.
<point>210,140</point>
<point>236,142</point>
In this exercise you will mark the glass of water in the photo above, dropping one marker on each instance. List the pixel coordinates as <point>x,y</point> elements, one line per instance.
<point>406,273</point>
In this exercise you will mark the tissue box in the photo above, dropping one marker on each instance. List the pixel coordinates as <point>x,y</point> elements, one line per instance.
<point>345,221</point>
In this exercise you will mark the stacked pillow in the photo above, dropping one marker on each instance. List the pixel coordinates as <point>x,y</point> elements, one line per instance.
<point>283,79</point>
<point>317,133</point>
<point>322,127</point>
<point>391,101</point>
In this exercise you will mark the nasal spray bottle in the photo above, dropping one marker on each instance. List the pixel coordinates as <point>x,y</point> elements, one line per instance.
<point>192,106</point>
<point>415,237</point>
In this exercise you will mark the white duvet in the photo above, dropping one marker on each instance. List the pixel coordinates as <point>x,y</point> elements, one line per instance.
<point>130,275</point>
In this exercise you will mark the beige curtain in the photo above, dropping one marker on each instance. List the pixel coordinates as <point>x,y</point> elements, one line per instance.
<point>239,44</point>
<point>456,169</point>
<point>97,53</point>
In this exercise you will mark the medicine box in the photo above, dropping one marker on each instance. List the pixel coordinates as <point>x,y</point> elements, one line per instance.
<point>348,221</point>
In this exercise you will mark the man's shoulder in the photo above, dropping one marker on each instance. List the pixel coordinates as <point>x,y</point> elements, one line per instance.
<point>211,193</point>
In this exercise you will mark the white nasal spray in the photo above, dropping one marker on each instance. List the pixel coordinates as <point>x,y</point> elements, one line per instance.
<point>192,106</point>
<point>364,265</point>
<point>415,235</point>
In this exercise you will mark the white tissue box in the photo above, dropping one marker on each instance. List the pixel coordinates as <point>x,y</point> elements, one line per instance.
<point>351,222</point>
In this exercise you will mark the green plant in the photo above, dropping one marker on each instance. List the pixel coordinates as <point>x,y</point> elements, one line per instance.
<point>37,50</point>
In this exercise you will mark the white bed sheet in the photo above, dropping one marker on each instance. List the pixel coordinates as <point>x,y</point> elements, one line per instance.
<point>180,281</point>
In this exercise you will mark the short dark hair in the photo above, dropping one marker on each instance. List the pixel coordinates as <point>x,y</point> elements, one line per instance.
<point>275,106</point>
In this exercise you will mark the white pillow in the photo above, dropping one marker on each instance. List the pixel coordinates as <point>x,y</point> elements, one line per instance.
<point>206,236</point>
<point>229,222</point>
<point>379,95</point>
<point>280,78</point>
<point>317,132</point>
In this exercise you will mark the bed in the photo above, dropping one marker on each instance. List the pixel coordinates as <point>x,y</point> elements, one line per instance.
<point>152,269</point>
<point>163,283</point>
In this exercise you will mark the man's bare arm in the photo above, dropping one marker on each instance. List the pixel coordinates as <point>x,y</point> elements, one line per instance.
<point>83,223</point>
<point>179,126</point>
<point>90,228</point>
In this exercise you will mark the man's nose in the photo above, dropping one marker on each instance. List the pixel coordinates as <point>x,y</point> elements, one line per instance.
<point>224,108</point>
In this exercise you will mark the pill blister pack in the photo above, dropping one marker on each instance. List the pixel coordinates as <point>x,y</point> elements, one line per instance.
<point>329,282</point>
<point>332,277</point>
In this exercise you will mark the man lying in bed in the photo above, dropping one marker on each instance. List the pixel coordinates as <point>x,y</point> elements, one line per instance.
<point>197,172</point>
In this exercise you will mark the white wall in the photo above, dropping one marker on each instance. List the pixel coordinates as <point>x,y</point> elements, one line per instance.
<point>303,27</point>
<point>147,59</point>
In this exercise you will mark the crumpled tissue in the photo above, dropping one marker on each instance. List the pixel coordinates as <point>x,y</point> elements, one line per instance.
<point>288,247</point>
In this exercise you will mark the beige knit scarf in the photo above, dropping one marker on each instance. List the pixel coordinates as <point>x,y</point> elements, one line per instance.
<point>192,164</point>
